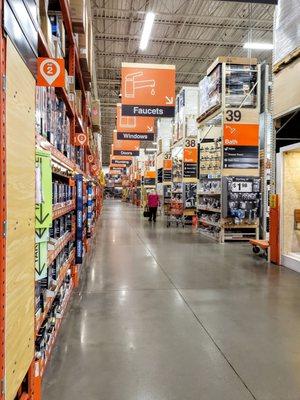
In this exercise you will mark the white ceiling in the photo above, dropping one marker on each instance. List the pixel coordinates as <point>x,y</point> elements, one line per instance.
<point>187,33</point>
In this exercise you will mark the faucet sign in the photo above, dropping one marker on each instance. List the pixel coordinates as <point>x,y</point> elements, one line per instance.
<point>148,90</point>
<point>135,82</point>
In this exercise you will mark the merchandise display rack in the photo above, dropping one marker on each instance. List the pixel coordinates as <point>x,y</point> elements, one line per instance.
<point>64,170</point>
<point>230,101</point>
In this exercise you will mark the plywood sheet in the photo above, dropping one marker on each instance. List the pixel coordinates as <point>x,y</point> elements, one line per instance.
<point>19,327</point>
<point>287,89</point>
<point>290,201</point>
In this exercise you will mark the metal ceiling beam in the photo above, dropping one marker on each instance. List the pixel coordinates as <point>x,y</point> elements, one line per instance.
<point>178,72</point>
<point>152,57</point>
<point>168,40</point>
<point>195,24</point>
<point>106,82</point>
<point>101,12</point>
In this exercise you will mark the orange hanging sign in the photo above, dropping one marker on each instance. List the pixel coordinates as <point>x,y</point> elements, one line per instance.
<point>148,90</point>
<point>51,72</point>
<point>120,160</point>
<point>134,128</point>
<point>125,147</point>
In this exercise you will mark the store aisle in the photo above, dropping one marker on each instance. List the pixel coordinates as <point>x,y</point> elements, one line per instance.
<point>164,314</point>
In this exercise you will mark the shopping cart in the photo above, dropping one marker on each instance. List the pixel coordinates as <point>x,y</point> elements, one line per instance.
<point>174,215</point>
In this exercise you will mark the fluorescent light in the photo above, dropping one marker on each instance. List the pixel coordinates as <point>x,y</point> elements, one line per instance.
<point>147,30</point>
<point>151,149</point>
<point>258,46</point>
<point>154,143</point>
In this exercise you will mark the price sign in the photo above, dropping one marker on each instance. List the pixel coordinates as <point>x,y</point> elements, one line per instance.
<point>241,187</point>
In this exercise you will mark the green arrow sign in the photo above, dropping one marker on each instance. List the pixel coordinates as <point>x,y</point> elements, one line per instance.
<point>40,260</point>
<point>43,209</point>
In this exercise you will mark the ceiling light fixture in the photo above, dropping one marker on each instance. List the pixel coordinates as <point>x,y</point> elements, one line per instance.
<point>154,143</point>
<point>151,149</point>
<point>258,46</point>
<point>147,30</point>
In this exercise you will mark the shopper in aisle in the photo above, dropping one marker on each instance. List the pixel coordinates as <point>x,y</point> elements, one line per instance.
<point>153,203</point>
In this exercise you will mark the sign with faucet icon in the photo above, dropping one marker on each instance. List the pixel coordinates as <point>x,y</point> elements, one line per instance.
<point>148,90</point>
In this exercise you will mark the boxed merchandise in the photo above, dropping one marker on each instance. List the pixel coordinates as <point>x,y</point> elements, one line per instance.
<point>47,31</point>
<point>71,83</point>
<point>286,29</point>
<point>78,15</point>
<point>240,81</point>
<point>78,102</point>
<point>96,121</point>
<point>188,102</point>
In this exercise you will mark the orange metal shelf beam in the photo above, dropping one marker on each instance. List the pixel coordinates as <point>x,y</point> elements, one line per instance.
<point>52,254</point>
<point>43,142</point>
<point>61,209</point>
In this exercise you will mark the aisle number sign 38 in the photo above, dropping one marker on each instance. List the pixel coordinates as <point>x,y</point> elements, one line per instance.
<point>50,72</point>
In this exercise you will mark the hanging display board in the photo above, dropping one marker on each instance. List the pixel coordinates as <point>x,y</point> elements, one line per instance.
<point>134,128</point>
<point>167,168</point>
<point>150,178</point>
<point>121,161</point>
<point>125,147</point>
<point>148,90</point>
<point>241,146</point>
<point>190,159</point>
<point>241,197</point>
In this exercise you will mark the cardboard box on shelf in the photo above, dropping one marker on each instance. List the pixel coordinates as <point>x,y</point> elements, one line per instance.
<point>57,49</point>
<point>71,80</point>
<point>78,102</point>
<point>71,96</point>
<point>47,31</point>
<point>88,100</point>
<point>78,15</point>
<point>96,120</point>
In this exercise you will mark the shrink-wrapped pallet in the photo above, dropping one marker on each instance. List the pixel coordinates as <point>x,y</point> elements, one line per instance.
<point>286,29</point>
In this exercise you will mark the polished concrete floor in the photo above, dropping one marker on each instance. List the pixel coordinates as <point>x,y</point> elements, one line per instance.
<point>165,314</point>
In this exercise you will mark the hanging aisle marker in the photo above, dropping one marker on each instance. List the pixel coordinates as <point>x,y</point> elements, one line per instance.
<point>125,147</point>
<point>51,72</point>
<point>148,90</point>
<point>134,128</point>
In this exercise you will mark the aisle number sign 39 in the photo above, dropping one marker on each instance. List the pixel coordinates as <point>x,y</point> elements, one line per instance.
<point>51,72</point>
<point>148,90</point>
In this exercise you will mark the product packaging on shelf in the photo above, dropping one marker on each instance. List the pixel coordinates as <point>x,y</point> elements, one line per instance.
<point>96,120</point>
<point>286,29</point>
<point>78,15</point>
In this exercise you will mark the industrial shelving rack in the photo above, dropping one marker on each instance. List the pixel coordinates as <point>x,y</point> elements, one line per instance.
<point>31,373</point>
<point>214,167</point>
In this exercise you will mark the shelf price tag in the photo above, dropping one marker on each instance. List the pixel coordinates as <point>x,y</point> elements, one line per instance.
<point>51,72</point>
